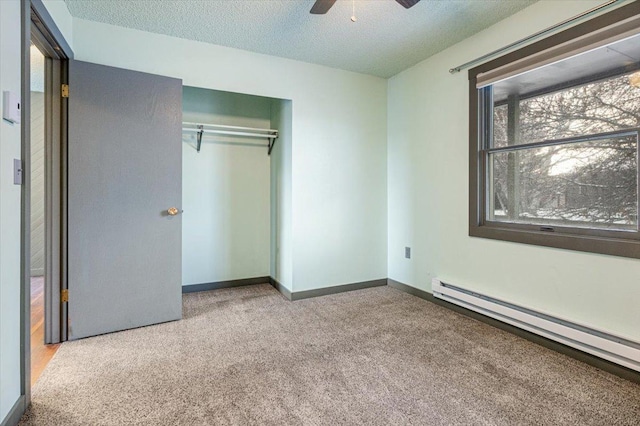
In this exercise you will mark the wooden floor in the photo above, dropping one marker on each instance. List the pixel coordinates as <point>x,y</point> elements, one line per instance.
<point>41,354</point>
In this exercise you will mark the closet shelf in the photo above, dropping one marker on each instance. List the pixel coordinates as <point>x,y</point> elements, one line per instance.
<point>199,129</point>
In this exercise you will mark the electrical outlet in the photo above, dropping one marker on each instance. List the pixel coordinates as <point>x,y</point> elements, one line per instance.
<point>407,252</point>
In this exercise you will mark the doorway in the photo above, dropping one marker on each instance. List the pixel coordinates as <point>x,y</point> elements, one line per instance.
<point>41,353</point>
<point>43,191</point>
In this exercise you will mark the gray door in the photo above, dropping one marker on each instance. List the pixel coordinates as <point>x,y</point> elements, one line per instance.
<point>124,174</point>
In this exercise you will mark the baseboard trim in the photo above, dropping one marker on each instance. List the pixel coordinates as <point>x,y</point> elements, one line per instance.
<point>411,290</point>
<point>15,414</point>
<point>282,289</point>
<point>194,288</point>
<point>602,364</point>
<point>299,295</point>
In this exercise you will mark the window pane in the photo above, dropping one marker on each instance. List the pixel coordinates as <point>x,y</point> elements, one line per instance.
<point>500,123</point>
<point>585,184</point>
<point>597,107</point>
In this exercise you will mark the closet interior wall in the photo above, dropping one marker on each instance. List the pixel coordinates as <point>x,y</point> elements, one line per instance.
<point>281,205</point>
<point>227,190</point>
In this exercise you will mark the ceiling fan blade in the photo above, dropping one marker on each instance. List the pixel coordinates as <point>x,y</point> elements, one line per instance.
<point>320,7</point>
<point>408,3</point>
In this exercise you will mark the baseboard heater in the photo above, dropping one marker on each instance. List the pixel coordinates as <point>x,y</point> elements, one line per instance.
<point>613,348</point>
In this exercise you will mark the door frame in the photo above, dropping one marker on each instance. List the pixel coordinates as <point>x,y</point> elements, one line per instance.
<point>38,26</point>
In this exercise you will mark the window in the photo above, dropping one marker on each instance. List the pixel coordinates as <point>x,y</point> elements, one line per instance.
<point>554,137</point>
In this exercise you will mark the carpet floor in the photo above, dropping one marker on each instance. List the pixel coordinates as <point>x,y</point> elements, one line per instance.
<point>247,356</point>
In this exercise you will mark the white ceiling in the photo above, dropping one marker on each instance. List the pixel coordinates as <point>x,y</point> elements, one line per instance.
<point>385,40</point>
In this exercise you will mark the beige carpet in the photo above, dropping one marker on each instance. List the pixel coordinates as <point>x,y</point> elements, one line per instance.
<point>378,357</point>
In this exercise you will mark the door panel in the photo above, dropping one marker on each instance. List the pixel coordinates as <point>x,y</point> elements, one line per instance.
<point>125,171</point>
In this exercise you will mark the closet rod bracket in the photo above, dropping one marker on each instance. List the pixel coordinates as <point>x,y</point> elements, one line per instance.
<point>199,137</point>
<point>272,142</point>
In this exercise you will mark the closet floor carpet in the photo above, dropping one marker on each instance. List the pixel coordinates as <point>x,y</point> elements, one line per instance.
<point>378,356</point>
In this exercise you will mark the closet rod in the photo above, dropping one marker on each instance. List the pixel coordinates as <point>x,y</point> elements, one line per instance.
<point>218,129</point>
<point>232,133</point>
<point>220,126</point>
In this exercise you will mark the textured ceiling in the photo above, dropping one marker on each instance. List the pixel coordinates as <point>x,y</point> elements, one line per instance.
<point>385,40</point>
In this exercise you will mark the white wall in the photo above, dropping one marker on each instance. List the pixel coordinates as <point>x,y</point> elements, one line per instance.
<point>281,241</point>
<point>10,146</point>
<point>225,190</point>
<point>63,19</point>
<point>428,199</point>
<point>339,202</point>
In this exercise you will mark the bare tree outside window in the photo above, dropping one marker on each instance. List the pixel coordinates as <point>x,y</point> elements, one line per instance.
<point>587,174</point>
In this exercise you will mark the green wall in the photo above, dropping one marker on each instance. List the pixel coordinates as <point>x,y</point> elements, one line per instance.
<point>428,167</point>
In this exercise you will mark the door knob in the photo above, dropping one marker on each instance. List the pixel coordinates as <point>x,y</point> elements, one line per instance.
<point>173,211</point>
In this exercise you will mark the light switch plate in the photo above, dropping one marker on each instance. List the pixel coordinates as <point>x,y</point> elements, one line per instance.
<point>17,172</point>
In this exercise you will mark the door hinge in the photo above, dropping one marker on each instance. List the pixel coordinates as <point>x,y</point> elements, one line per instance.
<point>65,90</point>
<point>64,295</point>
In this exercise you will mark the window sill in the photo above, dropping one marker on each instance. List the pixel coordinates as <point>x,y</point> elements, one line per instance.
<point>624,247</point>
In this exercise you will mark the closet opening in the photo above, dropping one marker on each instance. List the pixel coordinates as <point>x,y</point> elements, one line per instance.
<point>236,185</point>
